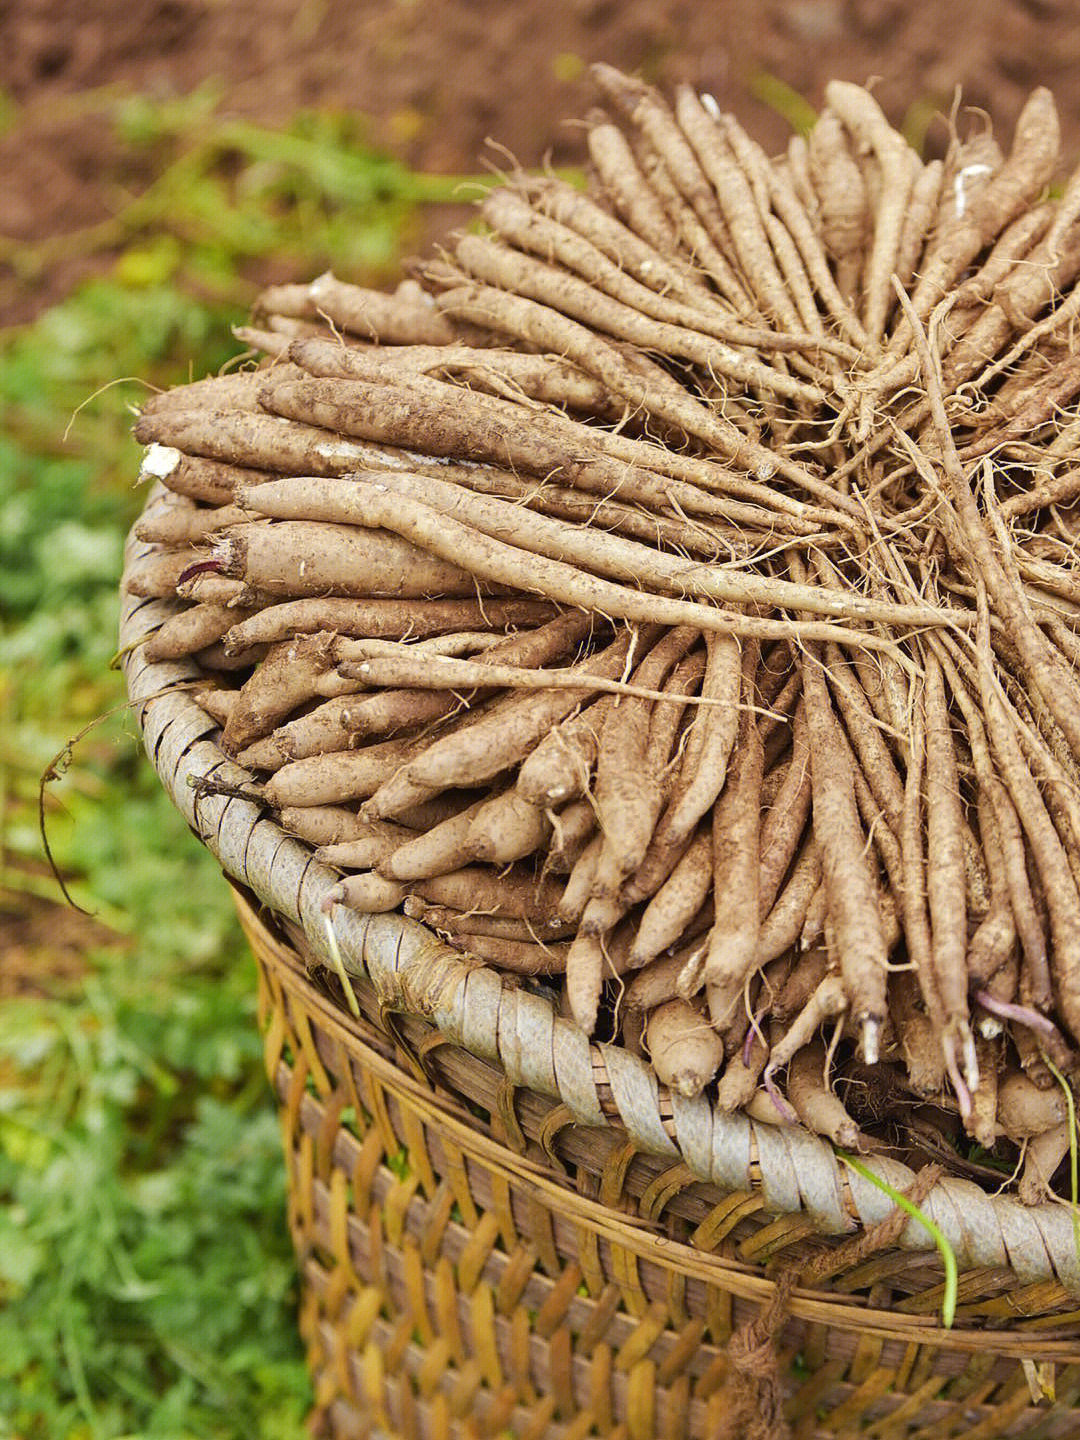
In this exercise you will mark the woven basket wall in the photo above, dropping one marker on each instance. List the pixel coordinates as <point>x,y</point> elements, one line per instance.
<point>504,1230</point>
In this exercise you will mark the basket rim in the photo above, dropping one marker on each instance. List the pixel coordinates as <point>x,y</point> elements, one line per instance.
<point>601,1084</point>
<point>839,1310</point>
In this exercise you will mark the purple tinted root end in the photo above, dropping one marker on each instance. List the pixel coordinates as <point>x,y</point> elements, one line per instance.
<point>1022,1014</point>
<point>200,567</point>
<point>784,1109</point>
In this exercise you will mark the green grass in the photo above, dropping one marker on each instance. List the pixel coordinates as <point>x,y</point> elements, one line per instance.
<point>146,1279</point>
<point>945,1250</point>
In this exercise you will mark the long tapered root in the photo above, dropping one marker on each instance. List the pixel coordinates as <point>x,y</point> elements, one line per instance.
<point>669,597</point>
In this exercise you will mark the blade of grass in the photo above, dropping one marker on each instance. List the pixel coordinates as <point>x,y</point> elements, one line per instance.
<point>339,966</point>
<point>1074,1158</point>
<point>778,95</point>
<point>947,1253</point>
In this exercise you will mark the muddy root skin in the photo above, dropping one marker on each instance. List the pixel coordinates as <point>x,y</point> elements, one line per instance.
<point>807,540</point>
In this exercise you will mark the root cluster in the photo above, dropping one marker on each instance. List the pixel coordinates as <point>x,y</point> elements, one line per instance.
<point>668,595</point>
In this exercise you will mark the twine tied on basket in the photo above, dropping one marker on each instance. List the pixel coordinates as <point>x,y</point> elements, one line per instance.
<point>757,1385</point>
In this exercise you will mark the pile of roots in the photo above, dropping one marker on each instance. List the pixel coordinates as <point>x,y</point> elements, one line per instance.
<point>668,596</point>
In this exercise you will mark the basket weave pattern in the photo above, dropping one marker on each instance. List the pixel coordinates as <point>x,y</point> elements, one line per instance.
<point>505,1230</point>
<point>475,1286</point>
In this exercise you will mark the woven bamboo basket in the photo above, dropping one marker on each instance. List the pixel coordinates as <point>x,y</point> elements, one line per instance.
<point>504,1229</point>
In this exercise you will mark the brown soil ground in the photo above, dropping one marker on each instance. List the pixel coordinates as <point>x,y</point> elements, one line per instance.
<point>437,77</point>
<point>43,943</point>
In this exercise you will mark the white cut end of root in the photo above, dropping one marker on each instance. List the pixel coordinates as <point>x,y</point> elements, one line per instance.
<point>708,103</point>
<point>971,1061</point>
<point>766,470</point>
<point>160,460</point>
<point>871,1041</point>
<point>969,172</point>
<point>321,284</point>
